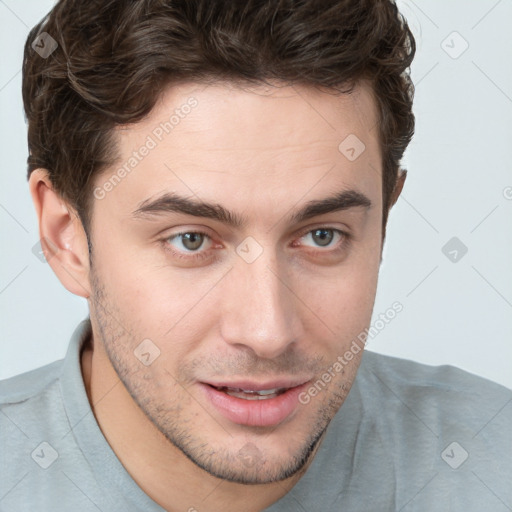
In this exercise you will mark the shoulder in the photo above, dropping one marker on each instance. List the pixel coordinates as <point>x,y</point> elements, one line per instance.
<point>438,381</point>
<point>440,425</point>
<point>31,411</point>
<point>417,436</point>
<point>25,386</point>
<point>444,398</point>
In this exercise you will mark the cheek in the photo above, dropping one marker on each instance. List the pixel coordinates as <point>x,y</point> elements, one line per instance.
<point>343,300</point>
<point>345,305</point>
<point>126,270</point>
<point>157,302</point>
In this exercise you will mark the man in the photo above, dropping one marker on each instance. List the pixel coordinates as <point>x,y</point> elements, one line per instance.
<point>215,179</point>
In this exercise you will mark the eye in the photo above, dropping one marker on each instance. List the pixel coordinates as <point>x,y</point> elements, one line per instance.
<point>189,241</point>
<point>323,237</point>
<point>193,246</point>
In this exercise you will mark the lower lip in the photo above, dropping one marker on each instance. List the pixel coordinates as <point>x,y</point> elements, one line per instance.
<point>255,413</point>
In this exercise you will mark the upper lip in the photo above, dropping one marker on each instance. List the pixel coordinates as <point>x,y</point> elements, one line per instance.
<point>250,385</point>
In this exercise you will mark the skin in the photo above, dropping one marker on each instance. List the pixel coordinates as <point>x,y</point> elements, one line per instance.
<point>262,153</point>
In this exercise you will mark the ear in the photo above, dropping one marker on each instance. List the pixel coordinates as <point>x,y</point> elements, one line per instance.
<point>62,236</point>
<point>399,185</point>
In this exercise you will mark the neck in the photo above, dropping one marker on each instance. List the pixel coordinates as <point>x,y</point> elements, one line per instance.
<point>153,461</point>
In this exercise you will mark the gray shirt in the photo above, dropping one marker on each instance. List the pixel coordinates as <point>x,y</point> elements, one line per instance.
<point>409,437</point>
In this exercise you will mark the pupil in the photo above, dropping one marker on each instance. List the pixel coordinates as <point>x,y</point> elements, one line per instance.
<point>325,236</point>
<point>192,240</point>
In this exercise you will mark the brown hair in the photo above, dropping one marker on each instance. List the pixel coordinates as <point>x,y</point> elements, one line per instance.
<point>115,57</point>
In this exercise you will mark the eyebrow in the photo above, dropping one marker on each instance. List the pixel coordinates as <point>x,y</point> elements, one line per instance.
<point>171,202</point>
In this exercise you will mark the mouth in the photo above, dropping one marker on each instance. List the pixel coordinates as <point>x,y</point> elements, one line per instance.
<point>257,405</point>
<point>249,394</point>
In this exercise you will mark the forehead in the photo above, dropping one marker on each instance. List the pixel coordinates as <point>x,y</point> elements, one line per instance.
<point>223,114</point>
<point>229,142</point>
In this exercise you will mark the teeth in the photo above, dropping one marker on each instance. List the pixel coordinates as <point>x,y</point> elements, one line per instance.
<point>249,394</point>
<point>262,391</point>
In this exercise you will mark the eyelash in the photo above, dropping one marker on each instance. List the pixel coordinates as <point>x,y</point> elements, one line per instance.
<point>187,256</point>
<point>199,256</point>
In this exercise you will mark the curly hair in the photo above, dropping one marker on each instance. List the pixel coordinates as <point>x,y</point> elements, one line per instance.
<point>115,57</point>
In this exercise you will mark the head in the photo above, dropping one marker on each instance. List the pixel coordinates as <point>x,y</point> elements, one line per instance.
<point>216,179</point>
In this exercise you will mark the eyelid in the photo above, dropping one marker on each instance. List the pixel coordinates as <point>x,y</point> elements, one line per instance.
<point>344,235</point>
<point>189,231</point>
<point>204,253</point>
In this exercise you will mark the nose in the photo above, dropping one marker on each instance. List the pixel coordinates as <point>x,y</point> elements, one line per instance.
<point>260,310</point>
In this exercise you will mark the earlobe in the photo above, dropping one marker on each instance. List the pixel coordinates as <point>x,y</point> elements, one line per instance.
<point>62,236</point>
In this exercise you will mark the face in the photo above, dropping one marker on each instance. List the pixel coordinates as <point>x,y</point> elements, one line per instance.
<point>235,258</point>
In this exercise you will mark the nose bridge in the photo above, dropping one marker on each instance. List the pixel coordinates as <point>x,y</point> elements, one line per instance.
<point>260,311</point>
